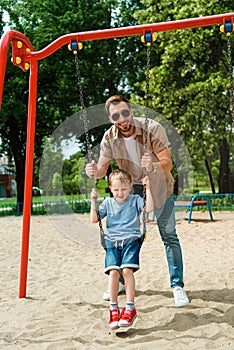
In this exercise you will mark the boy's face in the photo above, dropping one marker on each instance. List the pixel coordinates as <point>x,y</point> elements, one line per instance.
<point>120,190</point>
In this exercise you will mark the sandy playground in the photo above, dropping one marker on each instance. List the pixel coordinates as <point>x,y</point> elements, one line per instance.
<point>64,307</point>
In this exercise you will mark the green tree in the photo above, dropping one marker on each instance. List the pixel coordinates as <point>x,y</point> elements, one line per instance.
<point>103,65</point>
<point>56,183</point>
<point>74,174</point>
<point>50,164</point>
<point>190,84</point>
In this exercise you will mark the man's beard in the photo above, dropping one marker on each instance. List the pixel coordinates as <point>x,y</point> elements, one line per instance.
<point>124,130</point>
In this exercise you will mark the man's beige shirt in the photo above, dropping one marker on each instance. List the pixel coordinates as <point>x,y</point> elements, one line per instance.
<point>113,147</point>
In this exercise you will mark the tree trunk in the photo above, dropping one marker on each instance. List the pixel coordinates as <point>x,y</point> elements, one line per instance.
<point>224,170</point>
<point>19,158</point>
<point>20,184</point>
<point>176,184</point>
<point>212,185</point>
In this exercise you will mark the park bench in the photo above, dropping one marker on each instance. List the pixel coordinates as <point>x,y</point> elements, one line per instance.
<point>197,200</point>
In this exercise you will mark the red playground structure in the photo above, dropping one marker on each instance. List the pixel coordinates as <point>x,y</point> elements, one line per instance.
<point>24,56</point>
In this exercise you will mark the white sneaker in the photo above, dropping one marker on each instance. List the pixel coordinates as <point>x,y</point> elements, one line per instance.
<point>180,296</point>
<point>106,295</point>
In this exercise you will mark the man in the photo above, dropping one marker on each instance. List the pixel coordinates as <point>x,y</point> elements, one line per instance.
<point>125,142</point>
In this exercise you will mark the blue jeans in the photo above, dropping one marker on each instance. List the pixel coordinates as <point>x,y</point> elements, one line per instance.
<point>167,228</point>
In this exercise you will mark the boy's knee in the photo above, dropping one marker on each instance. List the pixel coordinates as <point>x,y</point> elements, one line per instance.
<point>127,271</point>
<point>115,273</point>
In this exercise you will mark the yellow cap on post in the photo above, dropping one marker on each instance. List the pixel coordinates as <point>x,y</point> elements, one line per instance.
<point>19,44</point>
<point>26,66</point>
<point>17,60</point>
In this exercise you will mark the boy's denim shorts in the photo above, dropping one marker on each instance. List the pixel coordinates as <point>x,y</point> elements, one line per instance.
<point>119,257</point>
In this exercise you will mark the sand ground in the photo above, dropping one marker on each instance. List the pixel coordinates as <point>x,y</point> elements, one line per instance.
<point>63,308</point>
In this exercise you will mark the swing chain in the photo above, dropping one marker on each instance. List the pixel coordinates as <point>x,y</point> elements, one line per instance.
<point>84,112</point>
<point>147,97</point>
<point>85,122</point>
<point>146,131</point>
<point>147,76</point>
<point>230,75</point>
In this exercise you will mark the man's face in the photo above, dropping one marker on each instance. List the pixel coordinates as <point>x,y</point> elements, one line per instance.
<point>121,116</point>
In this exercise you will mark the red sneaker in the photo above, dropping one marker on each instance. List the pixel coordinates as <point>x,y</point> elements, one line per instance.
<point>127,317</point>
<point>114,319</point>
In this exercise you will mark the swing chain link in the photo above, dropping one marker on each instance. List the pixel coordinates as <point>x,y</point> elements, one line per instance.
<point>89,151</point>
<point>230,75</point>
<point>146,131</point>
<point>84,112</point>
<point>147,76</point>
<point>147,97</point>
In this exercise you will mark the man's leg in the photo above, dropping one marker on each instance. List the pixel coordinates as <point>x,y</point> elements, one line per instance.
<point>167,228</point>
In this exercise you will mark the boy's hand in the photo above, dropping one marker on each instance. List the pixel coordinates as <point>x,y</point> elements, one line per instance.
<point>145,182</point>
<point>94,193</point>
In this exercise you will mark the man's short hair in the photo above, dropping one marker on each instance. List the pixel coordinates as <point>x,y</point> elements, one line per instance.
<point>115,99</point>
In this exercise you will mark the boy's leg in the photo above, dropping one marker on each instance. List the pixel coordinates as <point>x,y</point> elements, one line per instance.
<point>128,313</point>
<point>112,268</point>
<point>114,307</point>
<point>130,263</point>
<point>121,287</point>
<point>129,282</point>
<point>114,285</point>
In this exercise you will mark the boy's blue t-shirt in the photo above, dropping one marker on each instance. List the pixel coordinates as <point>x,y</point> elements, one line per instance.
<point>122,219</point>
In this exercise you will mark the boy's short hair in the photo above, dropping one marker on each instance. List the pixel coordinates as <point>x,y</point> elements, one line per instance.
<point>121,175</point>
<point>115,99</point>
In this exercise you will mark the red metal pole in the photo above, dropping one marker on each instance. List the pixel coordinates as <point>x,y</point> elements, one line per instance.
<point>28,177</point>
<point>7,37</point>
<point>4,45</point>
<point>133,30</point>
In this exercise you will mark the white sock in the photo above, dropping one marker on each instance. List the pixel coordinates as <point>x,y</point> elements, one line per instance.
<point>130,305</point>
<point>114,305</point>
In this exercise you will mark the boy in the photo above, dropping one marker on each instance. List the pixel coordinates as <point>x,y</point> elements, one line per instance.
<point>123,240</point>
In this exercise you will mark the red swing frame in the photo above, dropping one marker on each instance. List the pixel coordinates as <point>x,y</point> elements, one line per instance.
<point>24,56</point>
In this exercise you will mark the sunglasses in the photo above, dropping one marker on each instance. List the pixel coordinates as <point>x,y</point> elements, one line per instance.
<point>124,113</point>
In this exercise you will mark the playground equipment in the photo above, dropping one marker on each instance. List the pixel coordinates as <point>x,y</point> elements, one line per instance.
<point>24,56</point>
<point>196,201</point>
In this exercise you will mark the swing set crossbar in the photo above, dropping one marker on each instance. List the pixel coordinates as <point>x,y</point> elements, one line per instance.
<point>24,56</point>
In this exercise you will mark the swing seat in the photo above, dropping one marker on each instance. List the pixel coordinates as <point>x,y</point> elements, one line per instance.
<point>195,202</point>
